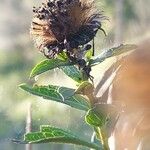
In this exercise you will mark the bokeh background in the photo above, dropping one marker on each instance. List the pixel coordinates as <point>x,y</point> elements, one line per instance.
<point>129,22</point>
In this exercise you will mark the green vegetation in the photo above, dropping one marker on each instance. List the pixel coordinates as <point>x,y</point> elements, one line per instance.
<point>98,115</point>
<point>17,57</point>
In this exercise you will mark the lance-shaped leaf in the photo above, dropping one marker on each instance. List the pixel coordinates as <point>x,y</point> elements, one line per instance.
<point>47,65</point>
<point>112,52</point>
<point>73,72</point>
<point>52,134</point>
<point>59,94</point>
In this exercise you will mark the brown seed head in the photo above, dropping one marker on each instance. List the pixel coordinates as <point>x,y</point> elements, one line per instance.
<point>74,21</point>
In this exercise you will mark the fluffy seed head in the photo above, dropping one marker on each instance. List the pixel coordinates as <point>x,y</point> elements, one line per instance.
<point>64,24</point>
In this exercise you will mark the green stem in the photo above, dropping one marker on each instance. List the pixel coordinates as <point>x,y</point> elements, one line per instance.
<point>103,137</point>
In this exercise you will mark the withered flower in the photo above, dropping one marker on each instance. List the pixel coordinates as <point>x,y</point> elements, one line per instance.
<point>64,24</point>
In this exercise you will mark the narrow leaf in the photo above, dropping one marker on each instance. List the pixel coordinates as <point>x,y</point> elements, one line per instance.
<point>59,94</point>
<point>46,65</point>
<point>112,52</point>
<point>73,73</point>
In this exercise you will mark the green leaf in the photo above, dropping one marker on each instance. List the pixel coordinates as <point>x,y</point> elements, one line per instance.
<point>46,65</point>
<point>62,56</point>
<point>95,119</point>
<point>73,73</point>
<point>112,52</point>
<point>100,115</point>
<point>52,134</point>
<point>84,88</point>
<point>89,54</point>
<point>59,94</point>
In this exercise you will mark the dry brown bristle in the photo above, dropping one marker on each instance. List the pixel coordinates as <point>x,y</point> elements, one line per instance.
<point>75,21</point>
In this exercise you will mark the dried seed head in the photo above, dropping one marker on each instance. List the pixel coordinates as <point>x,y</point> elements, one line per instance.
<point>58,22</point>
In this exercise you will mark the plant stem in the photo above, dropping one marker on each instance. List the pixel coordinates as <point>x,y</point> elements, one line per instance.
<point>103,137</point>
<point>29,123</point>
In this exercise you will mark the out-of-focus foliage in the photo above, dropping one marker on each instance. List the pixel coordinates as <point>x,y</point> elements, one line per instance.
<point>17,56</point>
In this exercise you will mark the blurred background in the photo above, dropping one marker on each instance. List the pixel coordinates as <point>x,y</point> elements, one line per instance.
<point>129,22</point>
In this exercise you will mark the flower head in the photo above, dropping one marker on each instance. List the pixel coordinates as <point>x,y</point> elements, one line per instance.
<point>64,24</point>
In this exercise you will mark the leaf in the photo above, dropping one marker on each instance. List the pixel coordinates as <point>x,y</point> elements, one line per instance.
<point>46,65</point>
<point>112,52</point>
<point>89,54</point>
<point>73,73</point>
<point>62,56</point>
<point>95,119</point>
<point>59,94</point>
<point>84,88</point>
<point>52,134</point>
<point>100,115</point>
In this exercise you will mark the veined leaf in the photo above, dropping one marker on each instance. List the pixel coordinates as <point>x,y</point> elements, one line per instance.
<point>101,115</point>
<point>104,116</point>
<point>112,52</point>
<point>95,119</point>
<point>59,94</point>
<point>52,134</point>
<point>73,73</point>
<point>46,65</point>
